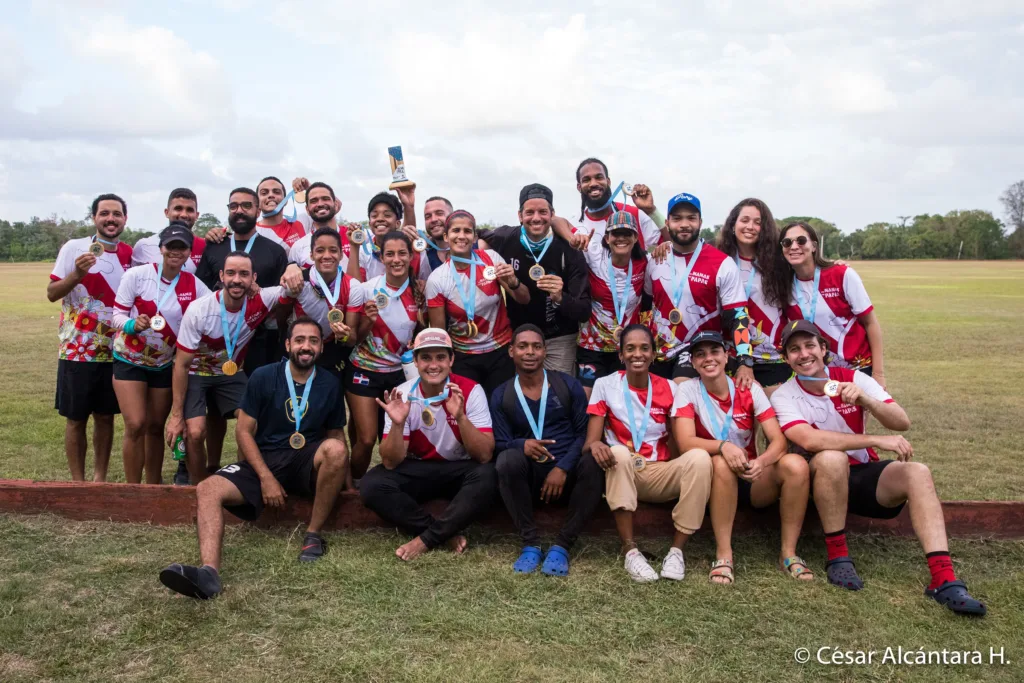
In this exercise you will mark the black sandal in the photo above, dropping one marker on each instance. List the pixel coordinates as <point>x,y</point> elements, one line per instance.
<point>954,596</point>
<point>842,573</point>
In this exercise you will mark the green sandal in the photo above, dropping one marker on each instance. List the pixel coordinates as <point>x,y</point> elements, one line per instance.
<point>796,568</point>
<point>721,569</point>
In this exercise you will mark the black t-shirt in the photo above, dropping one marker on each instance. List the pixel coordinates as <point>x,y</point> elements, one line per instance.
<point>560,259</point>
<point>269,261</point>
<point>268,402</point>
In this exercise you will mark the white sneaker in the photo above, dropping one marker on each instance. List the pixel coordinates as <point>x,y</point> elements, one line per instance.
<point>673,566</point>
<point>638,569</point>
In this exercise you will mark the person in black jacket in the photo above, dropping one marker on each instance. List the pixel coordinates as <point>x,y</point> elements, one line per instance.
<point>554,272</point>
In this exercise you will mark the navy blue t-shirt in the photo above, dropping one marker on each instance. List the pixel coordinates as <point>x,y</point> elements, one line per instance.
<point>268,402</point>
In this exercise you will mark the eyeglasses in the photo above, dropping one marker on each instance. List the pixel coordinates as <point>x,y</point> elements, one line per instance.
<point>788,241</point>
<point>234,206</point>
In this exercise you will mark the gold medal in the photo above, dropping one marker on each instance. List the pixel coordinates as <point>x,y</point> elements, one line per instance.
<point>536,272</point>
<point>675,316</point>
<point>490,274</point>
<point>157,323</point>
<point>831,388</point>
<point>427,417</point>
<point>382,300</point>
<point>628,189</point>
<point>229,368</point>
<point>300,197</point>
<point>357,236</point>
<point>617,334</point>
<point>471,329</point>
<point>335,316</point>
<point>297,440</point>
<point>639,462</point>
<point>419,244</point>
<point>544,457</point>
<point>96,249</point>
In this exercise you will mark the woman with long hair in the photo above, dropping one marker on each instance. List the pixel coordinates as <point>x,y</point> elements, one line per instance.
<point>750,237</point>
<point>833,297</point>
<point>464,297</point>
<point>393,310</point>
<point>618,265</point>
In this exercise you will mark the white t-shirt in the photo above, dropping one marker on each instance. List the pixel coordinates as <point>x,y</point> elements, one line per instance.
<point>766,321</point>
<point>313,303</point>
<point>597,333</point>
<point>608,401</point>
<point>392,332</point>
<point>750,405</point>
<point>490,315</point>
<point>841,300</point>
<point>443,439</point>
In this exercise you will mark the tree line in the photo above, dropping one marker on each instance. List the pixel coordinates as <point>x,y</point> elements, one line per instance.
<point>973,234</point>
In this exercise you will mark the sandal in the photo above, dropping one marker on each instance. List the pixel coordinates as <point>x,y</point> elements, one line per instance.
<point>721,569</point>
<point>528,560</point>
<point>796,568</point>
<point>842,573</point>
<point>556,562</point>
<point>954,595</point>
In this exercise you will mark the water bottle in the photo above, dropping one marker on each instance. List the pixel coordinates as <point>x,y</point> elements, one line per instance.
<point>179,449</point>
<point>409,366</point>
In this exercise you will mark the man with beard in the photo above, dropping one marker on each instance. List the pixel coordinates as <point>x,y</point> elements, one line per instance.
<point>290,434</point>
<point>273,225</point>
<point>384,215</point>
<point>435,213</point>
<point>323,208</point>
<point>213,340</point>
<point>85,278</point>
<point>696,289</point>
<point>555,274</point>
<point>182,207</point>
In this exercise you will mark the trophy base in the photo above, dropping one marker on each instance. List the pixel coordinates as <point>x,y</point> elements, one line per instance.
<point>401,183</point>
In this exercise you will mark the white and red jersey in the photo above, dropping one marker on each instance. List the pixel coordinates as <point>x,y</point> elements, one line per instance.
<point>86,329</point>
<point>841,300</point>
<point>147,250</point>
<point>286,233</point>
<point>751,404</point>
<point>311,301</point>
<point>392,331</point>
<point>650,233</point>
<point>795,405</point>
<point>608,401</point>
<point>490,315</point>
<point>202,331</point>
<point>713,286</point>
<point>597,333</point>
<point>370,265</point>
<point>766,321</point>
<point>443,439</point>
<point>301,253</point>
<point>140,290</point>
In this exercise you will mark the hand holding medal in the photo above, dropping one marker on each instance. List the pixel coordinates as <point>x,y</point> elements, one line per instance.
<point>144,322</point>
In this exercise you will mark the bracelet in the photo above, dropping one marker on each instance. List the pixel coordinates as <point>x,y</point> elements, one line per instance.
<point>721,443</point>
<point>518,283</point>
<point>129,327</point>
<point>658,219</point>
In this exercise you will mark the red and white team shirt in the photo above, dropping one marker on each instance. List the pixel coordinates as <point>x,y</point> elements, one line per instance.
<point>751,404</point>
<point>795,405</point>
<point>370,265</point>
<point>286,233</point>
<point>147,250</point>
<point>86,330</point>
<point>607,400</point>
<point>138,295</point>
<point>713,285</point>
<point>312,302</point>
<point>650,233</point>
<point>597,333</point>
<point>766,321</point>
<point>392,331</point>
<point>841,300</point>
<point>301,253</point>
<point>202,333</point>
<point>490,316</point>
<point>443,439</point>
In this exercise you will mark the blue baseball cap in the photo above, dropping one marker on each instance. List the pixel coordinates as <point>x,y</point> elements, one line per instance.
<point>684,198</point>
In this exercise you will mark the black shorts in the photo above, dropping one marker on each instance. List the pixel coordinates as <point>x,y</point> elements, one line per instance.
<point>369,383</point>
<point>153,378</point>
<point>770,374</point>
<point>863,491</point>
<point>293,470</point>
<point>663,368</point>
<point>593,365</point>
<point>334,359</point>
<point>222,393</point>
<point>85,388</point>
<point>866,371</point>
<point>489,370</point>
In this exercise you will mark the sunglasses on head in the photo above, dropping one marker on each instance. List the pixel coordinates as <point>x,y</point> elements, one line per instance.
<point>787,242</point>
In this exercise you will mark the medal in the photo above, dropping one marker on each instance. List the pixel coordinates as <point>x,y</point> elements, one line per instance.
<point>675,316</point>
<point>637,432</point>
<point>490,273</point>
<point>96,249</point>
<point>357,236</point>
<point>719,429</point>
<point>427,417</point>
<point>619,305</point>
<point>680,286</point>
<point>382,300</point>
<point>544,457</point>
<point>536,272</point>
<point>627,189</point>
<point>467,294</point>
<point>335,316</point>
<point>382,297</point>
<point>419,244</point>
<point>471,329</point>
<point>807,308</point>
<point>297,440</point>
<point>299,407</point>
<point>536,426</point>
<point>157,323</point>
<point>229,368</point>
<point>639,462</point>
<point>300,197</point>
<point>617,334</point>
<point>831,388</point>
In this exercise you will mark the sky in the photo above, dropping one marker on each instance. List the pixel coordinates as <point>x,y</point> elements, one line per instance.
<point>855,111</point>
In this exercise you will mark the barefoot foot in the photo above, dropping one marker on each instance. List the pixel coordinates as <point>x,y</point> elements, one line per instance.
<point>411,550</point>
<point>457,544</point>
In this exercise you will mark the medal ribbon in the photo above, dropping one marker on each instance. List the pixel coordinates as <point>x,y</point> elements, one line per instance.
<point>298,408</point>
<point>750,281</point>
<point>678,287</point>
<point>167,292</point>
<point>636,433</point>
<point>807,310</point>
<point>610,202</point>
<point>806,378</point>
<point>719,429</point>
<point>383,289</point>
<point>248,245</point>
<point>331,296</point>
<point>231,342</point>
<point>468,295</point>
<point>96,238</point>
<point>443,396</point>
<point>620,310</point>
<point>532,246</point>
<point>537,426</point>
<point>426,238</point>
<point>288,197</point>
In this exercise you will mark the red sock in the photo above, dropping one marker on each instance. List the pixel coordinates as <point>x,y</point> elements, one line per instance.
<point>835,544</point>
<point>941,568</point>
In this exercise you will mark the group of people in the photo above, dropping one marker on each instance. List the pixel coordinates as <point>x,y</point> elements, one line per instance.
<point>556,361</point>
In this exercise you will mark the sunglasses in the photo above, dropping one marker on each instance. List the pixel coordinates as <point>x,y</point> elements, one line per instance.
<point>787,242</point>
<point>233,206</point>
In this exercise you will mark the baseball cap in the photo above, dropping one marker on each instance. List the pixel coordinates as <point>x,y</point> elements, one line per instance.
<point>795,327</point>
<point>622,220</point>
<point>176,232</point>
<point>684,198</point>
<point>535,191</point>
<point>432,338</point>
<point>705,337</point>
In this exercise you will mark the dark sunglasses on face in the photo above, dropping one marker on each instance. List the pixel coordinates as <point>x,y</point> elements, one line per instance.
<point>788,241</point>
<point>233,206</point>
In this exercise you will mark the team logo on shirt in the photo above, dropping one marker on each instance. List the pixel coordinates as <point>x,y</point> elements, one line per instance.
<point>361,379</point>
<point>289,409</point>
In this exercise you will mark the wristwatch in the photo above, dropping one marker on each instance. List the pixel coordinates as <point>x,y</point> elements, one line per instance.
<point>745,361</point>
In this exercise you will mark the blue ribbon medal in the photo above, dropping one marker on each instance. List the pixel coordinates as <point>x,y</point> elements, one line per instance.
<point>620,307</point>
<point>536,426</point>
<point>807,309</point>
<point>679,287</point>
<point>288,197</point>
<point>230,367</point>
<point>297,440</point>
<point>537,270</point>
<point>468,295</point>
<point>334,315</point>
<point>720,430</point>
<point>427,416</point>
<point>831,386</point>
<point>158,322</point>
<point>636,432</point>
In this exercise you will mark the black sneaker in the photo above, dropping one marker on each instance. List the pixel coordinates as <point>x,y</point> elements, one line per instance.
<point>181,477</point>
<point>201,583</point>
<point>313,548</point>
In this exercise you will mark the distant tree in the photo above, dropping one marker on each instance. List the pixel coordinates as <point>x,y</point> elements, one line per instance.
<point>1013,204</point>
<point>204,223</point>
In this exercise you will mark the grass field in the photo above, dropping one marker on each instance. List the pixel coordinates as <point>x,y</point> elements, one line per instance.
<point>81,602</point>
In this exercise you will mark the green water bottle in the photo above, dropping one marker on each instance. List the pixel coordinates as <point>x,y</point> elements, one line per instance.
<point>179,449</point>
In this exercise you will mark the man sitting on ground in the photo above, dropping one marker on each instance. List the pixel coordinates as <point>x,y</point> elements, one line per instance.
<point>290,433</point>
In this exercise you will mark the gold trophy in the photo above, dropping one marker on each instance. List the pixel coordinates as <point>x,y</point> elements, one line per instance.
<point>398,177</point>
